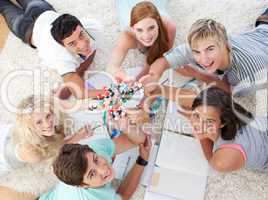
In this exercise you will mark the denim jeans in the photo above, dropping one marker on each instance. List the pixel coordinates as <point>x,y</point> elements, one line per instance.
<point>20,20</point>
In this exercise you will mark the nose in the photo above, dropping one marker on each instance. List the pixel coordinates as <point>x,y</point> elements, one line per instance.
<point>204,59</point>
<point>47,123</point>
<point>103,170</point>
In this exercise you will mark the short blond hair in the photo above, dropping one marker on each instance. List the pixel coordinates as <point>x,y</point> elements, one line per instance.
<point>207,28</point>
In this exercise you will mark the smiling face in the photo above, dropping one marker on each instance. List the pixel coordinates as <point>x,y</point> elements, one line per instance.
<point>99,172</point>
<point>211,54</point>
<point>79,42</point>
<point>206,122</point>
<point>146,31</point>
<point>43,123</point>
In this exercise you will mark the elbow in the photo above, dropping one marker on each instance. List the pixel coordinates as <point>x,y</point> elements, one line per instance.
<point>221,166</point>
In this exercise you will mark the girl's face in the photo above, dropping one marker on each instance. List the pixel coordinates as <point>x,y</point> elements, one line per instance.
<point>44,123</point>
<point>206,122</point>
<point>211,55</point>
<point>146,31</point>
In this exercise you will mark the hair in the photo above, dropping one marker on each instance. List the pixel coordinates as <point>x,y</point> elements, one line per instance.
<point>63,27</point>
<point>24,132</point>
<point>161,45</point>
<point>71,164</point>
<point>229,110</point>
<point>207,28</point>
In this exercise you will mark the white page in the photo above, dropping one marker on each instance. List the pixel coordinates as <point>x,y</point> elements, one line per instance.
<point>175,121</point>
<point>182,153</point>
<point>178,184</point>
<point>155,196</point>
<point>125,161</point>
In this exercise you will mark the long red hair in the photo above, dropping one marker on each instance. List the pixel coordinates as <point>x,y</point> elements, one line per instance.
<point>144,10</point>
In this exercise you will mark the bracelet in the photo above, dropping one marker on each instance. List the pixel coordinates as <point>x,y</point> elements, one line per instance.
<point>141,161</point>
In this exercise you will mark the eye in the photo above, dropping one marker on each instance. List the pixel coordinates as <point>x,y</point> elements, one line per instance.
<point>39,122</point>
<point>151,27</point>
<point>210,48</point>
<point>82,35</point>
<point>96,160</point>
<point>139,30</point>
<point>71,44</point>
<point>196,116</point>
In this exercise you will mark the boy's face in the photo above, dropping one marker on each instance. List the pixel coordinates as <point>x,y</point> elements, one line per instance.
<point>79,42</point>
<point>211,54</point>
<point>98,173</point>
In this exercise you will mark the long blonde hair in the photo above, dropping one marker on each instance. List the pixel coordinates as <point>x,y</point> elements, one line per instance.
<point>24,132</point>
<point>144,10</point>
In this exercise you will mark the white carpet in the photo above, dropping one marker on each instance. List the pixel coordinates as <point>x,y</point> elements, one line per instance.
<point>237,16</point>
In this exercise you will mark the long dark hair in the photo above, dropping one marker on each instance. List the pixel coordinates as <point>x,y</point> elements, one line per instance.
<point>231,112</point>
<point>161,45</point>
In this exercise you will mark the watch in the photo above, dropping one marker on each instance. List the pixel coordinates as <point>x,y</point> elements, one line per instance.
<point>141,161</point>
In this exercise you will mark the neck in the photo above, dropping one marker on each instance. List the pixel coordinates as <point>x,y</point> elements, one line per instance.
<point>226,60</point>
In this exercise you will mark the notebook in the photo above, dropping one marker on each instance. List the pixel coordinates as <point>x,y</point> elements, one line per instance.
<point>180,170</point>
<point>175,121</point>
<point>125,161</point>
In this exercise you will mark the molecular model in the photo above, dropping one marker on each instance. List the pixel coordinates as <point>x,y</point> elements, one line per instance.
<point>115,99</point>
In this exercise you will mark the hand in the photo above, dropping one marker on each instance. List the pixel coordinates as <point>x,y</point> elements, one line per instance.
<point>83,133</point>
<point>145,148</point>
<point>187,70</point>
<point>150,83</point>
<point>123,77</point>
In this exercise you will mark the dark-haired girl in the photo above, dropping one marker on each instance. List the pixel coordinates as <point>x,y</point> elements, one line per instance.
<point>229,135</point>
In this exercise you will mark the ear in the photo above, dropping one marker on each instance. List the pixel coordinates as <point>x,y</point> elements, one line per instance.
<point>222,125</point>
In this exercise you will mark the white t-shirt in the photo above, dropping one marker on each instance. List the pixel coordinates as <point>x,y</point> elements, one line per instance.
<point>53,54</point>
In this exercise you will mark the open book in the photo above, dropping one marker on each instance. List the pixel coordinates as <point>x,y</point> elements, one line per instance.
<point>125,161</point>
<point>181,169</point>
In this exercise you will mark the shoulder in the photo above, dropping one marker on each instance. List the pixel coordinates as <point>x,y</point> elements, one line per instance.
<point>28,153</point>
<point>127,39</point>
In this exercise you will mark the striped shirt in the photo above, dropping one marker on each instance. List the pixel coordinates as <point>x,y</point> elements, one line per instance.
<point>249,58</point>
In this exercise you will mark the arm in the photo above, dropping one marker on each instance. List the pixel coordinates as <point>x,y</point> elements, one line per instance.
<point>182,96</point>
<point>227,160</point>
<point>207,147</point>
<point>171,30</point>
<point>83,133</point>
<point>77,86</point>
<point>125,42</point>
<point>84,66</point>
<point>131,182</point>
<point>214,79</point>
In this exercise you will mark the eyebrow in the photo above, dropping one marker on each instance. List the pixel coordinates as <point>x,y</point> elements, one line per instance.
<point>210,46</point>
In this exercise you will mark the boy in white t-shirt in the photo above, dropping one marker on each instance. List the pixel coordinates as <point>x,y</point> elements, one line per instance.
<point>64,43</point>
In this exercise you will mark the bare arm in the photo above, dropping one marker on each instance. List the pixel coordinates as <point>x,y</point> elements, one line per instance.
<point>131,182</point>
<point>207,147</point>
<point>77,86</point>
<point>171,30</point>
<point>214,79</point>
<point>227,160</point>
<point>125,42</point>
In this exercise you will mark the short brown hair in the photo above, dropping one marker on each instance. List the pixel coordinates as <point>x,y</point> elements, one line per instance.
<point>206,28</point>
<point>71,163</point>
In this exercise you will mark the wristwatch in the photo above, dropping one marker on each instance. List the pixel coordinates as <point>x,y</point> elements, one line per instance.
<point>141,161</point>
